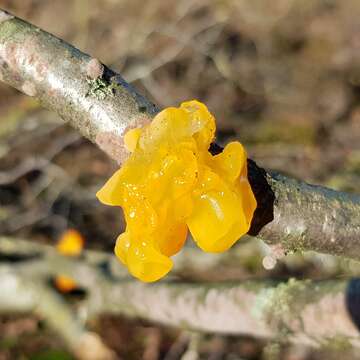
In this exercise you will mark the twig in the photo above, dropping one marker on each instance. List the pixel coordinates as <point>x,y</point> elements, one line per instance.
<point>20,293</point>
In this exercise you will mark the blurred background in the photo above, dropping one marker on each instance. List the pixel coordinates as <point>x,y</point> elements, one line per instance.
<point>282,76</point>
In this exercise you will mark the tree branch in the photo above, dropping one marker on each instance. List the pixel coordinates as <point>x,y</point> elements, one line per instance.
<point>102,106</point>
<point>23,293</point>
<point>306,312</point>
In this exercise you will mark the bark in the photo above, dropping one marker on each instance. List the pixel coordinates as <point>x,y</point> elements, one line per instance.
<point>102,106</point>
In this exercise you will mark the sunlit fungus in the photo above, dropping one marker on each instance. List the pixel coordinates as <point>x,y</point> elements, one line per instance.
<point>65,283</point>
<point>71,243</point>
<point>172,183</point>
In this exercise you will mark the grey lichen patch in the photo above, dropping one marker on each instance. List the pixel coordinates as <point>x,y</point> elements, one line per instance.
<point>279,306</point>
<point>101,88</point>
<point>94,69</point>
<point>271,351</point>
<point>337,343</point>
<point>294,244</point>
<point>4,16</point>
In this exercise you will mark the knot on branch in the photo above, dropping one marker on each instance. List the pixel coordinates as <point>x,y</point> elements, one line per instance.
<point>353,301</point>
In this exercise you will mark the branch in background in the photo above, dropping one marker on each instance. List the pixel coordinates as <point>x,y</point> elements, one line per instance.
<point>306,312</point>
<point>22,293</point>
<point>102,106</point>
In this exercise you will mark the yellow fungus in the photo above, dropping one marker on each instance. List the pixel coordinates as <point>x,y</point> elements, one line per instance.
<point>172,183</point>
<point>65,284</point>
<point>131,139</point>
<point>71,243</point>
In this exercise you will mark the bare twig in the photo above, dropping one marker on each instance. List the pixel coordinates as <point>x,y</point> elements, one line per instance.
<point>26,294</point>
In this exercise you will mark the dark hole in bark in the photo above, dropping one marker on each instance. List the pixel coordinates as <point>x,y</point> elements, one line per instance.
<point>264,196</point>
<point>352,301</point>
<point>215,149</point>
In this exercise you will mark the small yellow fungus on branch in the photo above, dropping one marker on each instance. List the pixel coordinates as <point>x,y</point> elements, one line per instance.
<point>71,243</point>
<point>172,183</point>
